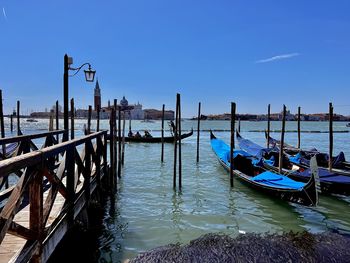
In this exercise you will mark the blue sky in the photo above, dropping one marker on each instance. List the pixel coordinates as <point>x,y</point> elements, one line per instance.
<point>250,52</point>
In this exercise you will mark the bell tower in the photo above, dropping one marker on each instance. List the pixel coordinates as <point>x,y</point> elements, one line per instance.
<point>97,96</point>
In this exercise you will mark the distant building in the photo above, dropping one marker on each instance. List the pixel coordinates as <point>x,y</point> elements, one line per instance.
<point>153,114</point>
<point>97,97</point>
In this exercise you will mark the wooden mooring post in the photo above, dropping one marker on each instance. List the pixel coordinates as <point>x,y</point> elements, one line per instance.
<point>298,146</point>
<point>268,126</point>
<point>98,118</point>
<point>239,125</point>
<point>11,122</point>
<point>119,143</point>
<point>232,144</point>
<point>18,119</point>
<point>57,120</point>
<point>280,158</point>
<point>89,120</point>
<point>179,134</point>
<point>72,119</point>
<point>162,132</point>
<point>198,130</point>
<point>175,142</point>
<point>123,138</point>
<point>112,157</point>
<point>2,124</point>
<point>330,159</point>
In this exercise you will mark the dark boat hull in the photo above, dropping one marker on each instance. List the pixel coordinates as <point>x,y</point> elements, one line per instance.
<point>169,139</point>
<point>307,196</point>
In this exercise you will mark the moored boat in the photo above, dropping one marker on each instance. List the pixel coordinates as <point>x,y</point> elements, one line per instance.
<point>330,182</point>
<point>302,157</point>
<point>265,181</point>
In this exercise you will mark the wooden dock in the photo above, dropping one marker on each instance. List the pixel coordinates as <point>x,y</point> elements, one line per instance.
<point>54,184</point>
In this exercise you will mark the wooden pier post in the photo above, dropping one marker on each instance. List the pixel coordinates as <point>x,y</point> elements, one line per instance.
<point>175,142</point>
<point>232,144</point>
<point>89,120</point>
<point>98,118</point>
<point>198,129</point>
<point>116,141</point>
<point>119,143</point>
<point>2,117</point>
<point>36,211</point>
<point>11,122</point>
<point>268,126</point>
<point>179,132</point>
<point>57,121</point>
<point>162,148</point>
<point>280,165</point>
<point>18,119</point>
<point>112,158</point>
<point>330,160</point>
<point>239,125</point>
<point>2,124</point>
<point>298,146</point>
<point>123,138</point>
<point>72,134</point>
<point>51,122</point>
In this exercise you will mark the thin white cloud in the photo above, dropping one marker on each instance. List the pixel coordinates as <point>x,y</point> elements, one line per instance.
<point>4,12</point>
<point>279,57</point>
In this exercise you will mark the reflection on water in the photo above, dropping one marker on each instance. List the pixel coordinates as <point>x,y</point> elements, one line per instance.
<point>146,212</point>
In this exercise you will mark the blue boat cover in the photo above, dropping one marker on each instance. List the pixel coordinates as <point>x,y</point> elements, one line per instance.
<point>253,148</point>
<point>326,176</point>
<point>222,150</point>
<point>271,179</point>
<point>276,180</point>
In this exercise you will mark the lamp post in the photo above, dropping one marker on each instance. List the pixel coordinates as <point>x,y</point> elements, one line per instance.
<point>89,77</point>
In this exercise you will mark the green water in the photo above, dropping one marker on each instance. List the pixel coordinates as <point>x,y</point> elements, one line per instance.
<point>146,212</point>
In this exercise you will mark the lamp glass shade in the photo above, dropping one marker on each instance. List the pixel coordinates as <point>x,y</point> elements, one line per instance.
<point>89,75</point>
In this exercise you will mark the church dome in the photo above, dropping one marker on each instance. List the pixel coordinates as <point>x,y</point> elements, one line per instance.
<point>124,102</point>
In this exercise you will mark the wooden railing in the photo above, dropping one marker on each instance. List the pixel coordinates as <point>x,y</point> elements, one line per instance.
<point>20,145</point>
<point>72,178</point>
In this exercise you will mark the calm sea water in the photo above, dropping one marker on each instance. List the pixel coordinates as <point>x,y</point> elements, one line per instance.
<point>147,212</point>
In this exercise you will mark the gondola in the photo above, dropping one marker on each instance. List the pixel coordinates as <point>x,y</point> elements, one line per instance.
<point>330,182</point>
<point>167,139</point>
<point>265,181</point>
<point>302,157</point>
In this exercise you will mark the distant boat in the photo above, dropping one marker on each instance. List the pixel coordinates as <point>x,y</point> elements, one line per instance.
<point>32,120</point>
<point>147,120</point>
<point>348,124</point>
<point>167,139</point>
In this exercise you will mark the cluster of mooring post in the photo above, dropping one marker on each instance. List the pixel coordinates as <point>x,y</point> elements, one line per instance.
<point>232,141</point>
<point>177,140</point>
<point>330,119</point>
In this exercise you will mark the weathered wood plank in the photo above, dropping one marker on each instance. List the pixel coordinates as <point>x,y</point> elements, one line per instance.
<point>21,138</point>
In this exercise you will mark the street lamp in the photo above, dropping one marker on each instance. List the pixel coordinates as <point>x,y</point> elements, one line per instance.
<point>89,77</point>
